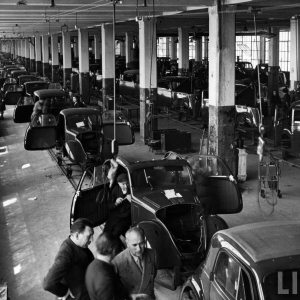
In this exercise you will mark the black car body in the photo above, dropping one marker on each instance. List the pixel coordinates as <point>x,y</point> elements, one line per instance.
<point>25,104</point>
<point>165,203</point>
<point>254,261</point>
<point>26,78</point>
<point>172,91</point>
<point>79,135</point>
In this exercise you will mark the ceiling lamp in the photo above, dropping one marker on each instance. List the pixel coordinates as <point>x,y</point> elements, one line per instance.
<point>269,34</point>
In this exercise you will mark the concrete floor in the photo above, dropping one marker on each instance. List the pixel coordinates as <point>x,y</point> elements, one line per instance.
<point>35,205</point>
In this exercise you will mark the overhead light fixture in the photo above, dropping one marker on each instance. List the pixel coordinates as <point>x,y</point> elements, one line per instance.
<point>64,28</point>
<point>22,2</point>
<point>269,34</point>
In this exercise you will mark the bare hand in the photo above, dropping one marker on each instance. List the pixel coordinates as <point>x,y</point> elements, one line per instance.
<point>128,197</point>
<point>119,201</point>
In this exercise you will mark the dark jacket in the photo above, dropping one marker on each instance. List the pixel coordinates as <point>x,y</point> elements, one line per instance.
<point>2,106</point>
<point>68,271</point>
<point>119,220</point>
<point>133,279</point>
<point>102,282</point>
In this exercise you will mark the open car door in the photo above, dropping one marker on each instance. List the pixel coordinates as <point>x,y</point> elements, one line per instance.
<point>41,133</point>
<point>168,258</point>
<point>224,195</point>
<point>91,197</point>
<point>23,110</point>
<point>124,133</point>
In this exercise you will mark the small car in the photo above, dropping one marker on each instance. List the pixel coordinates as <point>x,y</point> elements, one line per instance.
<point>23,109</point>
<point>176,210</point>
<point>26,78</point>
<point>253,261</point>
<point>79,135</point>
<point>11,93</point>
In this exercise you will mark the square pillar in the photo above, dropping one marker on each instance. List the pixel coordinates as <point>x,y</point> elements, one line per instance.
<point>55,58</point>
<point>221,137</point>
<point>67,57</point>
<point>27,55</point>
<point>198,50</point>
<point>128,52</point>
<point>107,62</point>
<point>148,75</point>
<point>173,48</point>
<point>84,65</point>
<point>295,52</point>
<point>45,52</point>
<point>98,48</point>
<point>183,64</point>
<point>32,56</point>
<point>38,55</point>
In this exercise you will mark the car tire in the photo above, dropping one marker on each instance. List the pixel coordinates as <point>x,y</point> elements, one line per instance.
<point>214,224</point>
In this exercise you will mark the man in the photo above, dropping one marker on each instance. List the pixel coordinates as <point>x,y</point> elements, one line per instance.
<point>119,219</point>
<point>77,102</point>
<point>136,265</point>
<point>101,280</point>
<point>66,277</point>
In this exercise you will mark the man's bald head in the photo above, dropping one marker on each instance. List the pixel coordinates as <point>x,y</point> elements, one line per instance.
<point>135,240</point>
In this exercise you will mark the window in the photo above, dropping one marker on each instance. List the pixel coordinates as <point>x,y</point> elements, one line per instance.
<point>161,47</point>
<point>247,48</point>
<point>232,278</point>
<point>284,50</point>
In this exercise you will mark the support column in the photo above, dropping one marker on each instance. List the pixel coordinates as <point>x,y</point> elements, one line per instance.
<point>107,62</point>
<point>183,64</point>
<point>167,47</point>
<point>273,71</point>
<point>173,48</point>
<point>198,50</point>
<point>122,48</point>
<point>38,55</point>
<point>27,55</point>
<point>98,48</point>
<point>32,56</point>
<point>75,49</point>
<point>67,57</point>
<point>262,50</point>
<point>206,43</point>
<point>54,57</point>
<point>148,75</point>
<point>23,52</point>
<point>84,66</point>
<point>45,50</point>
<point>221,137</point>
<point>129,42</point>
<point>295,52</point>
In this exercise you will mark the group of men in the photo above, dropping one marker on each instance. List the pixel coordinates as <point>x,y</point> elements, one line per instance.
<point>113,274</point>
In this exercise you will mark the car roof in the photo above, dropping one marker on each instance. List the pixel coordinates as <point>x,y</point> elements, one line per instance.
<point>135,71</point>
<point>33,82</point>
<point>82,111</point>
<point>49,93</point>
<point>266,240</point>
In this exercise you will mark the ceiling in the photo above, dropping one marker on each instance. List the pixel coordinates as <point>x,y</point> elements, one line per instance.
<point>24,18</point>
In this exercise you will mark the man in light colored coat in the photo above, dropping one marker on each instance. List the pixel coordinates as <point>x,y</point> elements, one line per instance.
<point>136,265</point>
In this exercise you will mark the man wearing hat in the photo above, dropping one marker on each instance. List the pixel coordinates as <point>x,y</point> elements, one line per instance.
<point>286,102</point>
<point>119,220</point>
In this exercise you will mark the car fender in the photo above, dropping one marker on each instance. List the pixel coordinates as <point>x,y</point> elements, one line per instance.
<point>191,285</point>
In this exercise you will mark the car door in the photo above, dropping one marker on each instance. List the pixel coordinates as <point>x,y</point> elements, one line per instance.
<point>23,110</point>
<point>124,133</point>
<point>91,197</point>
<point>221,188</point>
<point>41,133</point>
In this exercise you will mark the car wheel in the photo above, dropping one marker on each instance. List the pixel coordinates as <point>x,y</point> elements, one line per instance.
<point>189,295</point>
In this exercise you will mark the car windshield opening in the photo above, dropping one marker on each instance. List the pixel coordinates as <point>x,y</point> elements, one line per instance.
<point>161,177</point>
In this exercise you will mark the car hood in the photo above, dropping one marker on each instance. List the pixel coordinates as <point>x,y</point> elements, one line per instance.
<point>158,198</point>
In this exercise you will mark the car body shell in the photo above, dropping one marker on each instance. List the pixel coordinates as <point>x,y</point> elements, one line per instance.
<point>79,135</point>
<point>33,92</point>
<point>172,91</point>
<point>165,204</point>
<point>250,253</point>
<point>26,78</point>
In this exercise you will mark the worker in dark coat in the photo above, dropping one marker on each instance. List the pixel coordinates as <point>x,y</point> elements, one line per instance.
<point>66,277</point>
<point>119,219</point>
<point>101,279</point>
<point>136,265</point>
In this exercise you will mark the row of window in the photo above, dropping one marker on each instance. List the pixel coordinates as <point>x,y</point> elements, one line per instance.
<point>247,49</point>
